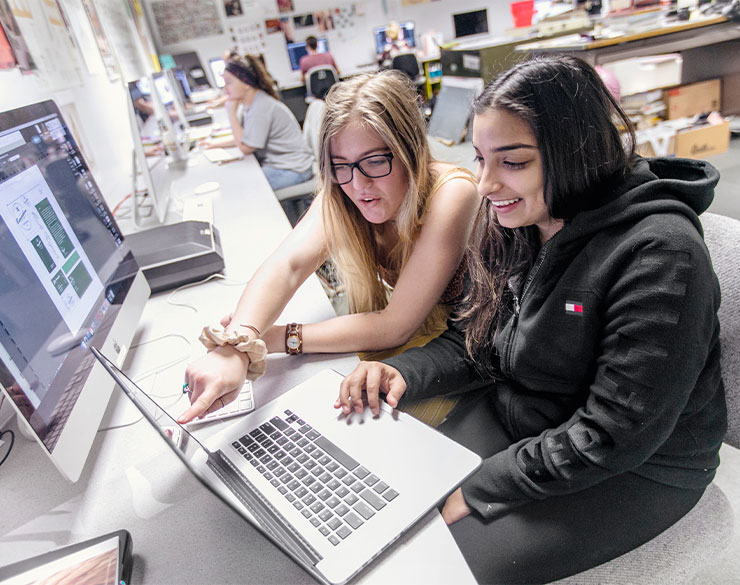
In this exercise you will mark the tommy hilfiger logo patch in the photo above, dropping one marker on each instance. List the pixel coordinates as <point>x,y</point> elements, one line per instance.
<point>574,308</point>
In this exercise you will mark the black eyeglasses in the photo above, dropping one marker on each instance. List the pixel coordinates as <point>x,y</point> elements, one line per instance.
<point>374,166</point>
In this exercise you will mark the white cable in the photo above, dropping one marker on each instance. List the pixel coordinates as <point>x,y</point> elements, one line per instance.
<point>190,284</point>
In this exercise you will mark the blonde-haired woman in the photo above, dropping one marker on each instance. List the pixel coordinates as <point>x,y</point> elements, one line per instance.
<point>394,221</point>
<point>266,128</point>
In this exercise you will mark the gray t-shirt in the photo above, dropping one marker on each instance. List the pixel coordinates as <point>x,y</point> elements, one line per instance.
<point>271,128</point>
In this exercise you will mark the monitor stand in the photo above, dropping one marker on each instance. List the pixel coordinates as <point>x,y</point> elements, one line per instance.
<point>178,253</point>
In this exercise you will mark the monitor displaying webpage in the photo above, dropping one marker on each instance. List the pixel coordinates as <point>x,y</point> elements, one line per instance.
<point>64,269</point>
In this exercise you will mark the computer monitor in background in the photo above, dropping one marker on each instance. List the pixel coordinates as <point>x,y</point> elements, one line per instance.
<point>298,50</point>
<point>217,71</point>
<point>182,84</point>
<point>406,33</point>
<point>69,280</point>
<point>190,63</point>
<point>152,169</point>
<point>470,23</point>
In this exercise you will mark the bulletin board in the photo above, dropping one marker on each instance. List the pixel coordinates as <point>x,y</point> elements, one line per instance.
<point>181,20</point>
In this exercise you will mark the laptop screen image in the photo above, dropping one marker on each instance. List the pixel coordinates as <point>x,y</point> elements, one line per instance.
<point>317,483</point>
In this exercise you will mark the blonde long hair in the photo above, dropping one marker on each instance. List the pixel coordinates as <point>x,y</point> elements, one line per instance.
<point>386,103</point>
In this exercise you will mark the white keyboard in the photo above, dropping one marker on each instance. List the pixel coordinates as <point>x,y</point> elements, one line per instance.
<point>197,208</point>
<point>243,404</point>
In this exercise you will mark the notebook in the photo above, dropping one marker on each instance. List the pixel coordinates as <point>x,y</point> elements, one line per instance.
<point>332,491</point>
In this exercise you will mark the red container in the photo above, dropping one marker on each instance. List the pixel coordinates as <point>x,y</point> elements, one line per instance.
<point>522,12</point>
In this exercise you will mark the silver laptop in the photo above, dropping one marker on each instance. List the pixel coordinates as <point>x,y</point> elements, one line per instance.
<point>332,491</point>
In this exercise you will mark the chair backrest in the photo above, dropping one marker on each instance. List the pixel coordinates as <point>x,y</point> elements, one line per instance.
<point>407,62</point>
<point>319,79</point>
<point>312,125</point>
<point>722,235</point>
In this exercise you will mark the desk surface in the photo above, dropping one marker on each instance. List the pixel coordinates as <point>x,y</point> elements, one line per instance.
<point>673,36</point>
<point>181,532</point>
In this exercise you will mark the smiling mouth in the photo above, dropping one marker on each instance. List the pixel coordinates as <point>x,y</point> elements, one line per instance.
<point>505,202</point>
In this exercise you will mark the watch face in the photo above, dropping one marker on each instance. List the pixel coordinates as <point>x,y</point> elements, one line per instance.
<point>293,342</point>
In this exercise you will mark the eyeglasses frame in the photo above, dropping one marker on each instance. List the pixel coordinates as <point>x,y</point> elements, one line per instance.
<point>356,165</point>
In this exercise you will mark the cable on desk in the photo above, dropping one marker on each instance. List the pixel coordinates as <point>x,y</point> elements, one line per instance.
<point>6,433</point>
<point>118,205</point>
<point>155,372</point>
<point>190,284</point>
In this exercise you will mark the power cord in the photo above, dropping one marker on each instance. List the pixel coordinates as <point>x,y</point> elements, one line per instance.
<point>155,372</point>
<point>227,282</point>
<point>6,433</point>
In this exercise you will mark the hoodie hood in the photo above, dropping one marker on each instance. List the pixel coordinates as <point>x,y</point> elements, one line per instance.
<point>657,185</point>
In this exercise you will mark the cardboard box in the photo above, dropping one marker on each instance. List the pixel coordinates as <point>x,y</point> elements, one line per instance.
<point>703,141</point>
<point>641,74</point>
<point>692,99</point>
<point>679,138</point>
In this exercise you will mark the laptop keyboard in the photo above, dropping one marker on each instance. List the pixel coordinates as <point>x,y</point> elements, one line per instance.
<point>331,489</point>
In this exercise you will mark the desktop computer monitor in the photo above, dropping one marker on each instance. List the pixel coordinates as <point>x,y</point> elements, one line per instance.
<point>406,34</point>
<point>217,71</point>
<point>68,281</point>
<point>470,23</point>
<point>298,50</point>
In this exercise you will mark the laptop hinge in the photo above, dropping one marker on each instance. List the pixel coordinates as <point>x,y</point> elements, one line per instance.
<point>269,518</point>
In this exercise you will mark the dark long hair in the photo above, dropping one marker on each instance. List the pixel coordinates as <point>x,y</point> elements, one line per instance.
<point>250,69</point>
<point>576,122</point>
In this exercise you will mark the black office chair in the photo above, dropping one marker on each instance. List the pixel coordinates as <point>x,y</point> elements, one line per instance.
<point>318,81</point>
<point>408,63</point>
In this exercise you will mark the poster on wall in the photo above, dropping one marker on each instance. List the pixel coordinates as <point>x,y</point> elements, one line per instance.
<point>7,58</point>
<point>284,6</point>
<point>83,34</point>
<point>14,36</point>
<point>182,20</point>
<point>101,41</point>
<point>233,8</point>
<point>118,25</point>
<point>145,36</point>
<point>272,25</point>
<point>324,20</point>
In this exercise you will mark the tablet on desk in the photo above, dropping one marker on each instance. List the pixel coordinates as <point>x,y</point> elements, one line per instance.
<point>105,560</point>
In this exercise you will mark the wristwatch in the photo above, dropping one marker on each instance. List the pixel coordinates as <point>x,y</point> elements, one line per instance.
<point>293,339</point>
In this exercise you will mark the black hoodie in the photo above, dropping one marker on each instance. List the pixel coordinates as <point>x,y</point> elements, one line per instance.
<point>610,360</point>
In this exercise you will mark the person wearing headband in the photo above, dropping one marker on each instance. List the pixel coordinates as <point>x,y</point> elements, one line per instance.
<point>266,127</point>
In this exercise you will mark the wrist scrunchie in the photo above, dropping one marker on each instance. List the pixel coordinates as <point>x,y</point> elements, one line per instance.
<point>214,336</point>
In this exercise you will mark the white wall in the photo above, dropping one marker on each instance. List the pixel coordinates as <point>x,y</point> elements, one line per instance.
<point>93,105</point>
<point>351,47</point>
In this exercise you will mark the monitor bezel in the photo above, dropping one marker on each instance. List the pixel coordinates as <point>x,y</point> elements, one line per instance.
<point>74,444</point>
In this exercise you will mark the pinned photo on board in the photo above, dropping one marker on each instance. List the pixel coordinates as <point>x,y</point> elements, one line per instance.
<point>285,6</point>
<point>233,8</point>
<point>303,20</point>
<point>15,38</point>
<point>324,19</point>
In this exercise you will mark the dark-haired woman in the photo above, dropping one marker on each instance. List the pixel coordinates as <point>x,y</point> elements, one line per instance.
<point>267,128</point>
<point>587,341</point>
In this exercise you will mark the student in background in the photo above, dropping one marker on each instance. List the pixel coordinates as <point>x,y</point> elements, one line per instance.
<point>266,127</point>
<point>394,221</point>
<point>313,58</point>
<point>587,340</point>
<point>394,43</point>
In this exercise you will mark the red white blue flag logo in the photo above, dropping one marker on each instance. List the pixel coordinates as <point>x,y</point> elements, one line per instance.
<point>574,307</point>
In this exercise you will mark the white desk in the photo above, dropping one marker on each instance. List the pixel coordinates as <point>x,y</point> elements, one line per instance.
<point>182,534</point>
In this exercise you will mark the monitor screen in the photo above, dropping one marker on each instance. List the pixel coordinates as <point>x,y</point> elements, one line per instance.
<point>217,71</point>
<point>182,84</point>
<point>162,86</point>
<point>407,34</point>
<point>298,50</point>
<point>68,280</point>
<point>470,23</point>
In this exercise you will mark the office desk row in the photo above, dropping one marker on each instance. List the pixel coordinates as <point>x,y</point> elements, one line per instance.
<point>181,532</point>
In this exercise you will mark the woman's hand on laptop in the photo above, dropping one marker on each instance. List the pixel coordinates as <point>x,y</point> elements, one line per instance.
<point>374,378</point>
<point>214,380</point>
